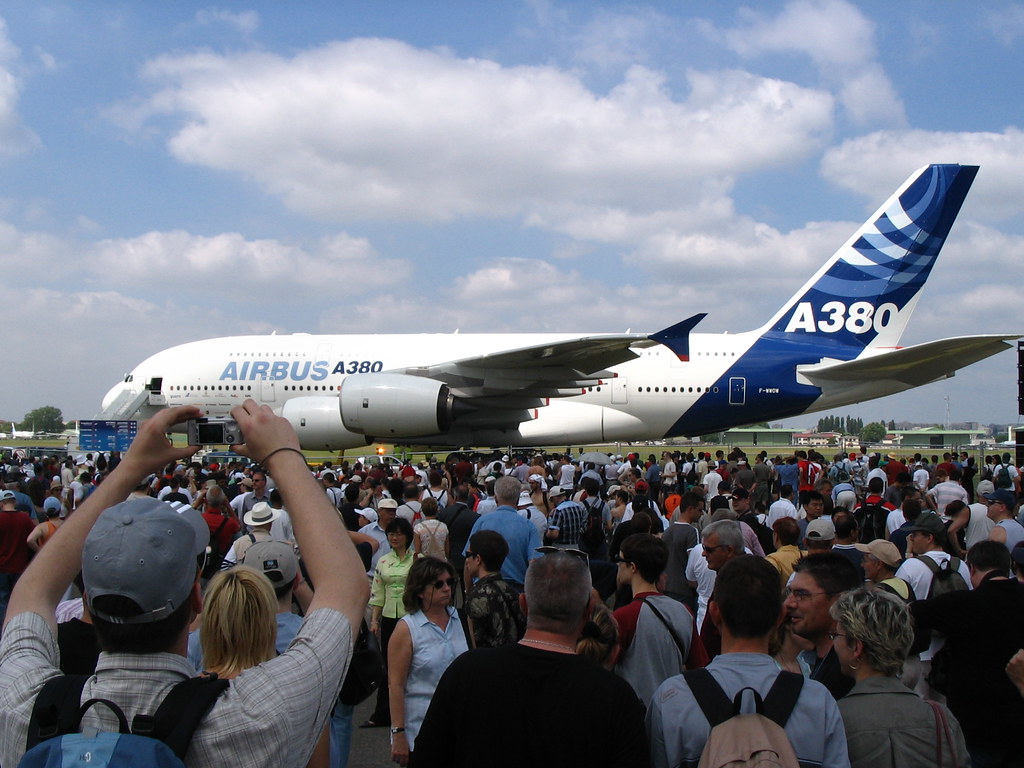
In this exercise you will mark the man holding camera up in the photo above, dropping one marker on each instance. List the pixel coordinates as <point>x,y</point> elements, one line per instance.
<point>142,561</point>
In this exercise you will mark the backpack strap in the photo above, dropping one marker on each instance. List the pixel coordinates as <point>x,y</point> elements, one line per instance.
<point>670,628</point>
<point>57,709</point>
<point>782,697</point>
<point>713,701</point>
<point>181,712</point>
<point>717,707</point>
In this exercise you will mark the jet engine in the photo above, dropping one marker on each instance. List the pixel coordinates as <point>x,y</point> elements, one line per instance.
<point>317,421</point>
<point>390,405</point>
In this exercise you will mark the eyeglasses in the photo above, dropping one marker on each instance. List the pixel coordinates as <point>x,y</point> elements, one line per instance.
<point>801,595</point>
<point>471,554</point>
<point>833,635</point>
<point>443,582</point>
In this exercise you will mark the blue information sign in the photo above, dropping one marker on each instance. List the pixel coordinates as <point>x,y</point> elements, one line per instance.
<point>106,435</point>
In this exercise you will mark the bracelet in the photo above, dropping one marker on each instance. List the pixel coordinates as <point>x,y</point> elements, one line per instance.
<point>278,450</point>
<point>398,730</point>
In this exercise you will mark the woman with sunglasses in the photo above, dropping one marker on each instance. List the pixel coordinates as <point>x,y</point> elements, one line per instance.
<point>425,642</point>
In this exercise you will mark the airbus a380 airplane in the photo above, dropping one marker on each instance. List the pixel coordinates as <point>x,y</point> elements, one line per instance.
<point>834,343</point>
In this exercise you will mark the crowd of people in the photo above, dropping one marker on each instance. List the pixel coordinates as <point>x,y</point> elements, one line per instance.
<point>534,609</point>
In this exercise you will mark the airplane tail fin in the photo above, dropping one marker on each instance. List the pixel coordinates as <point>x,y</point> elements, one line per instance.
<point>864,295</point>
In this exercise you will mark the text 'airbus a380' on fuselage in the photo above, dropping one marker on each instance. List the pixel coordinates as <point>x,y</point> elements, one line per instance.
<point>835,342</point>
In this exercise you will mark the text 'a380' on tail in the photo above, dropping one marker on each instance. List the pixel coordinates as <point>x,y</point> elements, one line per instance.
<point>864,295</point>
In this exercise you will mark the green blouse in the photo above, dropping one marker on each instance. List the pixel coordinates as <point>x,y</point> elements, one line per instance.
<point>389,583</point>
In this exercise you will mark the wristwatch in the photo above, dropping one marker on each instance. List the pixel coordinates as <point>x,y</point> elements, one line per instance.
<point>397,730</point>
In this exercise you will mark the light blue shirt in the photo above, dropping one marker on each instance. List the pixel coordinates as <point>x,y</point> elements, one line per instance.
<point>522,536</point>
<point>433,649</point>
<point>678,729</point>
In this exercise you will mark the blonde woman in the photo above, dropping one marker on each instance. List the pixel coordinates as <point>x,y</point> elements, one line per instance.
<point>238,625</point>
<point>239,628</point>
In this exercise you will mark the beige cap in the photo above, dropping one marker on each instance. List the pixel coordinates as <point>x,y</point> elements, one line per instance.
<point>882,550</point>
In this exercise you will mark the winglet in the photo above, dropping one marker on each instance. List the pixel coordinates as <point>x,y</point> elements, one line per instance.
<point>677,337</point>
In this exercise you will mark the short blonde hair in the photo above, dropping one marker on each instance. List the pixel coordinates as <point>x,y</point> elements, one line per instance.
<point>239,625</point>
<point>881,621</point>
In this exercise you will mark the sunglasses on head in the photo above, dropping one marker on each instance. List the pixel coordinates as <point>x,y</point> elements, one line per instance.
<point>577,553</point>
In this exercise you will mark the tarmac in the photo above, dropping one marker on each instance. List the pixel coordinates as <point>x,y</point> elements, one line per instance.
<point>371,747</point>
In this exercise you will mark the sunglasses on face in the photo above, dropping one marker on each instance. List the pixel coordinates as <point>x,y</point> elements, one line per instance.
<point>443,582</point>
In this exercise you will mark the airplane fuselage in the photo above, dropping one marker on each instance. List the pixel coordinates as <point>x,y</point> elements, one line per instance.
<point>647,398</point>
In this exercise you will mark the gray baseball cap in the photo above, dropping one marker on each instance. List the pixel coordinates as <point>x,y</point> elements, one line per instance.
<point>274,559</point>
<point>821,529</point>
<point>146,551</point>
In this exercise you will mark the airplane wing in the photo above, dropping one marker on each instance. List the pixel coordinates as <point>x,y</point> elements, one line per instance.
<point>914,366</point>
<point>529,374</point>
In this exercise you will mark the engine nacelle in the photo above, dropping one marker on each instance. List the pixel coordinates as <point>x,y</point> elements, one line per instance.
<point>317,420</point>
<point>392,405</point>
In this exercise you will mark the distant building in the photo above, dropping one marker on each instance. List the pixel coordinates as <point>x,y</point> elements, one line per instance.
<point>817,439</point>
<point>758,436</point>
<point>934,438</point>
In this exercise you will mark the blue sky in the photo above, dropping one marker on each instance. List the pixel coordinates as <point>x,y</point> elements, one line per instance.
<point>174,171</point>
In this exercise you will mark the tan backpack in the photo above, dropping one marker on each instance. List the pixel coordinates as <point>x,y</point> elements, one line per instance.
<point>754,740</point>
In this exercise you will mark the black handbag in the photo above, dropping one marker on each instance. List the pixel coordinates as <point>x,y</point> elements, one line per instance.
<point>365,669</point>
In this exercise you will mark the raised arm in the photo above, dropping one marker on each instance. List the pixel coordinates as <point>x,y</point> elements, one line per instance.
<point>331,559</point>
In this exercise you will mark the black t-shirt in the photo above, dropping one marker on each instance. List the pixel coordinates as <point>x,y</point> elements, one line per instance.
<point>349,515</point>
<point>829,673</point>
<point>984,628</point>
<point>855,556</point>
<point>538,708</point>
<point>460,520</point>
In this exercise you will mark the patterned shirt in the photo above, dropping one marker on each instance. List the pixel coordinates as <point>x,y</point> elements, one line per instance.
<point>272,714</point>
<point>568,519</point>
<point>494,609</point>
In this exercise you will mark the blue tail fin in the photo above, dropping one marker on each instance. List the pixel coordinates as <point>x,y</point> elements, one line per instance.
<point>865,294</point>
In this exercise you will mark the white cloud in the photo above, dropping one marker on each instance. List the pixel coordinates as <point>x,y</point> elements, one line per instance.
<point>838,38</point>
<point>15,137</point>
<point>235,271</point>
<point>1005,23</point>
<point>613,39</point>
<point>517,295</point>
<point>81,361</point>
<point>877,162</point>
<point>230,264</point>
<point>868,96</point>
<point>969,290</point>
<point>830,32</point>
<point>246,22</point>
<point>378,129</point>
<point>18,249</point>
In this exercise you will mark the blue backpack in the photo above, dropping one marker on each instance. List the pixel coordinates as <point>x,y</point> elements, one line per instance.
<point>155,741</point>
